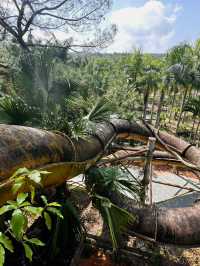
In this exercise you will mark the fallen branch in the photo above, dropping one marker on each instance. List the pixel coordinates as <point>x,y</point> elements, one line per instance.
<point>175,185</point>
<point>120,158</point>
<point>189,165</point>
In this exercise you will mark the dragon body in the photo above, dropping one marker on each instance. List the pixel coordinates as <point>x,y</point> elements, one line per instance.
<point>65,158</point>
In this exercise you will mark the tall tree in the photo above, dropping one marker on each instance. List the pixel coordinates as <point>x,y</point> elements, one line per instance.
<point>180,60</point>
<point>24,19</point>
<point>193,106</point>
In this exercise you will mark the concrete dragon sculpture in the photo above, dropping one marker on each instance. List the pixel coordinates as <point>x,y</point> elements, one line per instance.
<point>65,158</point>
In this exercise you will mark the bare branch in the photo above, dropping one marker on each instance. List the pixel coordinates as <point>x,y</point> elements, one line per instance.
<point>49,15</point>
<point>15,2</point>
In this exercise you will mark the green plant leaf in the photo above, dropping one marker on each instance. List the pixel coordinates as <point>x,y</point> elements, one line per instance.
<point>2,255</point>
<point>54,204</point>
<point>48,221</point>
<point>25,204</point>
<point>18,224</point>
<point>21,197</point>
<point>35,241</point>
<point>20,171</point>
<point>20,178</point>
<point>44,199</point>
<point>6,208</point>
<point>34,210</point>
<point>7,243</point>
<point>17,186</point>
<point>32,188</point>
<point>35,176</point>
<point>55,211</point>
<point>28,251</point>
<point>45,172</point>
<point>12,203</point>
<point>116,218</point>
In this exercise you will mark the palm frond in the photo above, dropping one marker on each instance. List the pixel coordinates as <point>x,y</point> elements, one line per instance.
<point>17,111</point>
<point>84,117</point>
<point>116,218</point>
<point>100,111</point>
<point>112,179</point>
<point>193,106</point>
<point>67,232</point>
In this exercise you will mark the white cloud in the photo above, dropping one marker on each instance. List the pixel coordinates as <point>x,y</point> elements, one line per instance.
<point>150,27</point>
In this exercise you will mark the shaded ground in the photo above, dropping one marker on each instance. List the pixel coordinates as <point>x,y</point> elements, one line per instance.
<point>160,255</point>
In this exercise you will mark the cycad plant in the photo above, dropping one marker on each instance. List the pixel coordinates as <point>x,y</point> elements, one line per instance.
<point>88,114</point>
<point>101,110</point>
<point>103,183</point>
<point>14,110</point>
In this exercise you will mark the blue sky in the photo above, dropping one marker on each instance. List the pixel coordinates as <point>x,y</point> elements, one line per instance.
<point>154,25</point>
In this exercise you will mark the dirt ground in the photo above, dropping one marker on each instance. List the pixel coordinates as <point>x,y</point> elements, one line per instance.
<point>160,255</point>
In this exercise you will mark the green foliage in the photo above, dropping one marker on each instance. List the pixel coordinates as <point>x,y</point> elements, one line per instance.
<point>18,225</point>
<point>14,110</point>
<point>193,106</point>
<point>56,119</point>
<point>104,181</point>
<point>49,209</point>
<point>67,232</point>
<point>5,243</point>
<point>112,179</point>
<point>116,218</point>
<point>88,114</point>
<point>29,179</point>
<point>100,111</point>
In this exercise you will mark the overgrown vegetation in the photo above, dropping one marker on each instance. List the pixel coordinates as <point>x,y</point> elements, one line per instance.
<point>47,85</point>
<point>54,90</point>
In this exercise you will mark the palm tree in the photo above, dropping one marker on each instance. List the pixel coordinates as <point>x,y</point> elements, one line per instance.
<point>193,106</point>
<point>160,104</point>
<point>180,61</point>
<point>146,83</point>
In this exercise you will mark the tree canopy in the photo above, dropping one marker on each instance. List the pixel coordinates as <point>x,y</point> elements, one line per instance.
<point>31,22</point>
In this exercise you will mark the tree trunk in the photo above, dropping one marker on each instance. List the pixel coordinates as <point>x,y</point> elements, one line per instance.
<point>153,105</point>
<point>188,97</point>
<point>146,99</point>
<point>172,106</point>
<point>181,111</point>
<point>162,95</point>
<point>196,132</point>
<point>192,131</point>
